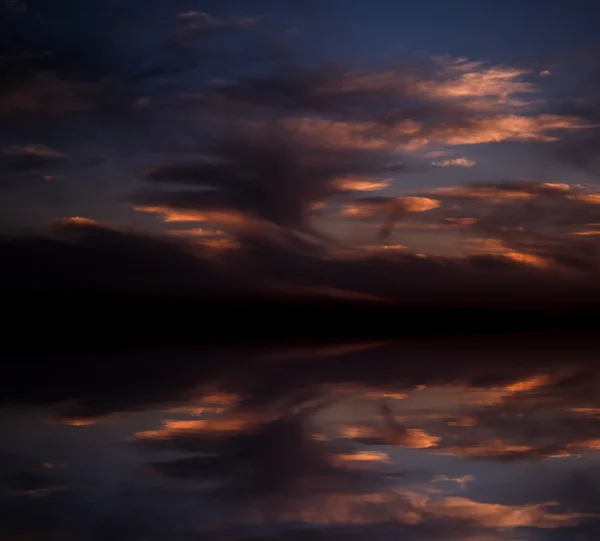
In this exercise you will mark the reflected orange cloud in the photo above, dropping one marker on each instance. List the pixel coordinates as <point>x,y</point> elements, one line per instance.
<point>463,421</point>
<point>79,422</point>
<point>482,193</point>
<point>172,428</point>
<point>590,198</point>
<point>364,456</point>
<point>585,233</point>
<point>193,410</point>
<point>494,447</point>
<point>413,508</point>
<point>415,438</point>
<point>197,232</point>
<point>209,403</point>
<point>356,432</point>
<point>385,395</point>
<point>493,515</point>
<point>411,438</point>
<point>220,244</point>
<point>588,412</point>
<point>593,444</point>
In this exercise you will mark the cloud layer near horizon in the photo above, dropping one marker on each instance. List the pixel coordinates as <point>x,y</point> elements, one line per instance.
<point>82,256</point>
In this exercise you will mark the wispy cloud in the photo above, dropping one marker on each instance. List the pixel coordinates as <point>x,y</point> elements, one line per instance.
<point>457,162</point>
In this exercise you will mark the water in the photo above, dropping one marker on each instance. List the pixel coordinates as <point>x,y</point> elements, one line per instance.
<point>487,439</point>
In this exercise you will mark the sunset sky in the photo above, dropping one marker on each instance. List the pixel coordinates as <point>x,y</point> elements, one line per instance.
<point>299,270</point>
<point>454,141</point>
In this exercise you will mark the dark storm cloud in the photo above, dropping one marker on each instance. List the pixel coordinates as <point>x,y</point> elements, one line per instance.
<point>274,172</point>
<point>80,255</point>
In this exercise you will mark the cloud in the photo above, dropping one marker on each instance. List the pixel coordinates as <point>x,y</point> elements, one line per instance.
<point>78,253</point>
<point>459,162</point>
<point>44,91</point>
<point>30,157</point>
<point>378,206</point>
<point>497,128</point>
<point>475,79</point>
<point>271,172</point>
<point>360,185</point>
<point>391,209</point>
<point>353,92</point>
<point>199,24</point>
<point>450,102</point>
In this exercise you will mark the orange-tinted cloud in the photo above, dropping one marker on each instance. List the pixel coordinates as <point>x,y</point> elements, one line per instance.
<point>361,185</point>
<point>457,162</point>
<point>79,421</point>
<point>173,428</point>
<point>368,208</point>
<point>490,515</point>
<point>411,438</point>
<point>499,128</point>
<point>591,199</point>
<point>336,134</point>
<point>468,79</point>
<point>364,456</point>
<point>411,507</point>
<point>171,215</point>
<point>75,221</point>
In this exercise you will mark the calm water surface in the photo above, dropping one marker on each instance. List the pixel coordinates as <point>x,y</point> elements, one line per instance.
<point>478,440</point>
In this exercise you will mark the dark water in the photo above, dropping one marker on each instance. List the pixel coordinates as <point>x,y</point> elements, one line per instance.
<point>479,440</point>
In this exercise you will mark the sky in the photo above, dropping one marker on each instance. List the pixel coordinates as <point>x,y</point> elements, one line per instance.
<point>450,141</point>
<point>200,199</point>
